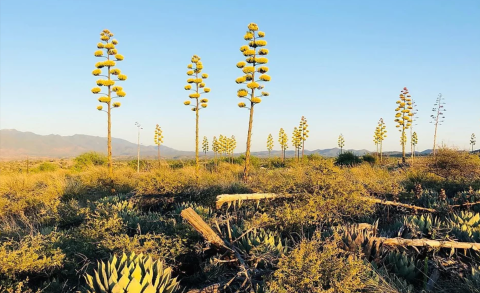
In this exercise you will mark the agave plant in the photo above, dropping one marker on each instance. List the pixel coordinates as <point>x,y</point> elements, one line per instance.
<point>133,273</point>
<point>402,265</point>
<point>473,281</point>
<point>465,226</point>
<point>420,226</point>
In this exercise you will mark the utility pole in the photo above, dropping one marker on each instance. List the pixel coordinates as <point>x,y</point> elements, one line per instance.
<point>138,146</point>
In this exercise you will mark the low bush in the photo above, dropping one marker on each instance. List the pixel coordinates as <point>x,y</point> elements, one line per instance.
<point>348,159</point>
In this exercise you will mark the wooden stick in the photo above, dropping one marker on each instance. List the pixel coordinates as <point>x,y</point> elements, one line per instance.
<point>226,198</point>
<point>428,243</point>
<point>203,228</point>
<point>398,204</point>
<point>465,204</point>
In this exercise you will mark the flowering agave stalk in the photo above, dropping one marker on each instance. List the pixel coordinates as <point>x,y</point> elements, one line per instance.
<point>196,78</point>
<point>341,142</point>
<point>254,54</point>
<point>413,116</point>
<point>437,117</point>
<point>283,140</point>
<point>158,140</point>
<point>473,140</point>
<point>297,142</point>
<point>215,149</point>
<point>380,135</point>
<point>414,144</point>
<point>222,145</point>
<point>404,121</point>
<point>205,147</point>
<point>106,49</point>
<point>304,132</point>
<point>232,146</point>
<point>269,144</point>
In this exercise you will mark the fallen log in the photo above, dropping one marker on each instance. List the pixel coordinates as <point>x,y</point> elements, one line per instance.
<point>427,243</point>
<point>398,204</point>
<point>227,198</point>
<point>465,204</point>
<point>203,228</point>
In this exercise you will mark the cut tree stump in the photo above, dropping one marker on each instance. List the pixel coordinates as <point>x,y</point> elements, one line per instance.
<point>201,227</point>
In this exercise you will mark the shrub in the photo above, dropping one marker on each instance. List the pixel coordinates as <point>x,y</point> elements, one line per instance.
<point>47,167</point>
<point>143,164</point>
<point>369,158</point>
<point>348,159</point>
<point>90,159</point>
<point>454,165</point>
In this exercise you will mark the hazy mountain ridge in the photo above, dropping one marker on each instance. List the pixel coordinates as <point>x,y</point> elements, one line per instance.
<point>16,144</point>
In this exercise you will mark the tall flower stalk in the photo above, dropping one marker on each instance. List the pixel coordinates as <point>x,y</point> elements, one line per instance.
<point>380,135</point>
<point>473,140</point>
<point>437,117</point>
<point>215,149</point>
<point>107,49</point>
<point>341,142</point>
<point>297,142</point>
<point>205,149</point>
<point>283,141</point>
<point>413,116</point>
<point>303,132</point>
<point>402,117</point>
<point>196,78</point>
<point>254,64</point>
<point>269,144</point>
<point>414,144</point>
<point>158,140</point>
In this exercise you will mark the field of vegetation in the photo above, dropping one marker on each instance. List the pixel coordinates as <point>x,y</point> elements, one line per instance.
<point>346,224</point>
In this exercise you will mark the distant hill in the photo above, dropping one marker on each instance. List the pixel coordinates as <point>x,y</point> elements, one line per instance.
<point>16,144</point>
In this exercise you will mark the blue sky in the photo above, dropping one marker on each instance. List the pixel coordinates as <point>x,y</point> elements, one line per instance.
<point>341,64</point>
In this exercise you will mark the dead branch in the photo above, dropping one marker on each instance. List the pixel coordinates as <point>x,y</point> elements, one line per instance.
<point>398,204</point>
<point>201,227</point>
<point>227,198</point>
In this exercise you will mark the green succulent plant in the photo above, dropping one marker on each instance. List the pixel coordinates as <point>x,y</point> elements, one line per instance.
<point>423,226</point>
<point>132,273</point>
<point>402,265</point>
<point>465,226</point>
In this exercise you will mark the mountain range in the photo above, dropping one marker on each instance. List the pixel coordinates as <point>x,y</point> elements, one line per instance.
<point>16,144</point>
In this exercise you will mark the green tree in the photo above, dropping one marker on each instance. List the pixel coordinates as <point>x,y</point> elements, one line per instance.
<point>107,47</point>
<point>196,78</point>
<point>341,143</point>
<point>283,140</point>
<point>402,118</point>
<point>158,140</point>
<point>254,54</point>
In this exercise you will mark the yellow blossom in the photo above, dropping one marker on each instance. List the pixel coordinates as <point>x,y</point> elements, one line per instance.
<point>117,88</point>
<point>201,85</point>
<point>100,45</point>
<point>97,72</point>
<point>244,48</point>
<point>241,79</point>
<point>115,71</point>
<point>116,104</point>
<point>195,59</point>
<point>188,87</point>
<point>190,80</point>
<point>190,72</point>
<point>241,105</point>
<point>203,105</point>
<point>96,90</point>
<point>99,64</point>
<point>248,77</point>
<point>98,53</point>
<point>108,82</point>
<point>112,52</point>
<point>207,90</point>
<point>115,42</point>
<point>119,57</point>
<point>104,99</point>
<point>265,94</point>
<point>186,103</point>
<point>194,96</point>
<point>204,75</point>
<point>190,66</point>
<point>109,46</point>
<point>250,60</point>
<point>262,69</point>
<point>249,52</point>
<point>256,100</point>
<point>261,34</point>
<point>248,36</point>
<point>198,80</point>
<point>264,77</point>
<point>104,38</point>
<point>241,64</point>
<point>263,51</point>
<point>242,93</point>
<point>121,94</point>
<point>109,63</point>
<point>99,108</point>
<point>204,100</point>
<point>194,109</point>
<point>248,69</point>
<point>252,85</point>
<point>261,60</point>
<point>122,77</point>
<point>100,82</point>
<point>253,27</point>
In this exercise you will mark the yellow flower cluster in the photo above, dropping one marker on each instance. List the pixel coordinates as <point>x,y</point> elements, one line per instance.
<point>265,94</point>
<point>202,85</point>
<point>190,80</point>
<point>198,80</point>
<point>204,100</point>
<point>119,57</point>
<point>248,77</point>
<point>104,99</point>
<point>241,105</point>
<point>190,72</point>
<point>108,82</point>
<point>122,77</point>
<point>188,87</point>
<point>264,77</point>
<point>256,100</point>
<point>117,88</point>
<point>244,48</point>
<point>261,34</point>
<point>204,75</point>
<point>116,104</point>
<point>194,96</point>
<point>204,105</point>
<point>249,52</point>
<point>241,64</point>
<point>99,108</point>
<point>194,109</point>
<point>99,64</point>
<point>121,94</point>
<point>248,36</point>
<point>109,63</point>
<point>100,82</point>
<point>253,27</point>
<point>261,60</point>
<point>263,51</point>
<point>258,43</point>
<point>115,71</point>
<point>97,72</point>
<point>98,53</point>
<point>100,45</point>
<point>115,42</point>
<point>190,66</point>
<point>186,103</point>
<point>262,69</point>
<point>207,90</point>
<point>241,79</point>
<point>96,90</point>
<point>112,52</point>
<point>195,59</point>
<point>248,69</point>
<point>109,46</point>
<point>104,38</point>
<point>253,85</point>
<point>242,93</point>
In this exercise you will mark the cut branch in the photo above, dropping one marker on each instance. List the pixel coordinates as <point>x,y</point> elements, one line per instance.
<point>201,227</point>
<point>428,243</point>
<point>227,198</point>
<point>398,204</point>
